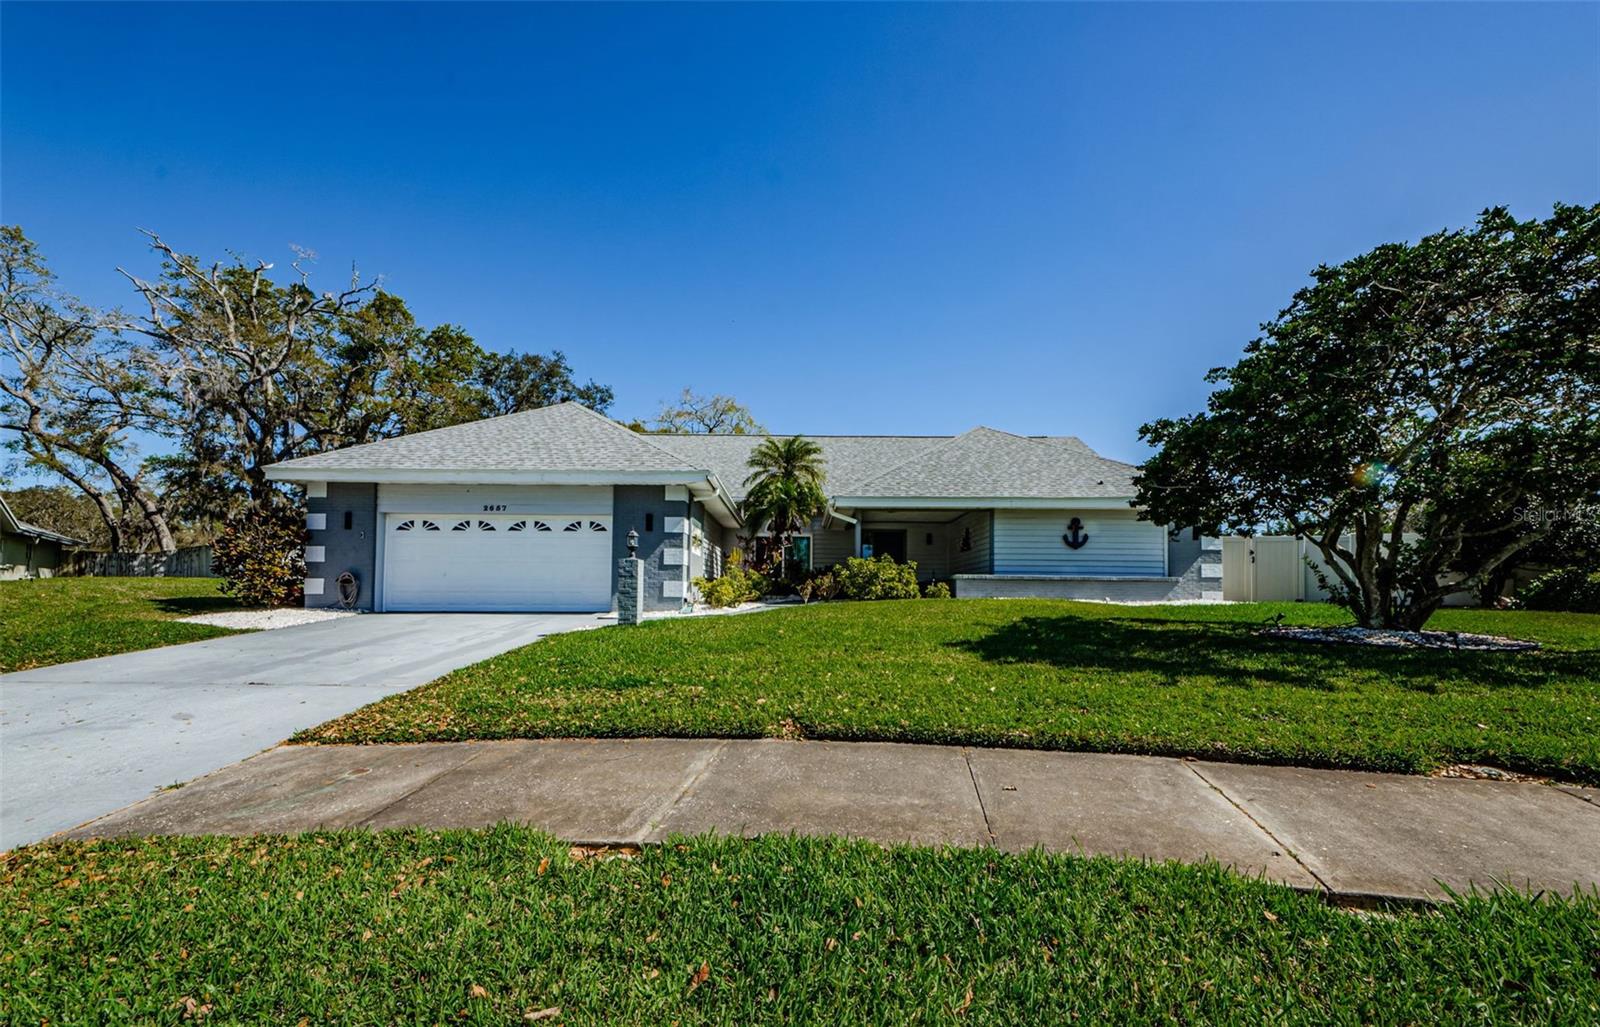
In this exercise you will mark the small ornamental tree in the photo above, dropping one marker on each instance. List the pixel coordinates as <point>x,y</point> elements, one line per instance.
<point>1406,405</point>
<point>261,558</point>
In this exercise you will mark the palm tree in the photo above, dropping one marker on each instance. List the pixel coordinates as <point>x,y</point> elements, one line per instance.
<point>784,490</point>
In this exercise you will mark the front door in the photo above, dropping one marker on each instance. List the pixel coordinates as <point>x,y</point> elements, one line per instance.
<point>885,542</point>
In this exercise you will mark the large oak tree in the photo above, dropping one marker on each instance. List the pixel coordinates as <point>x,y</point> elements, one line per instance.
<point>230,366</point>
<point>1409,403</point>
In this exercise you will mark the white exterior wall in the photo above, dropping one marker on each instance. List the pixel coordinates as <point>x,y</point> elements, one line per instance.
<point>1029,542</point>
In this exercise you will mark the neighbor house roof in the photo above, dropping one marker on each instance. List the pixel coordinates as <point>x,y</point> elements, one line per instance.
<point>570,444</point>
<point>9,522</point>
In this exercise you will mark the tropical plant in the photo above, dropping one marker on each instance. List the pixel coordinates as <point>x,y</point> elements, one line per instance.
<point>1407,402</point>
<point>820,587</point>
<point>785,491</point>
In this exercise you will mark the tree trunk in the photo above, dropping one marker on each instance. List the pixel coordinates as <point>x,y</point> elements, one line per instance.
<point>135,495</point>
<point>115,538</point>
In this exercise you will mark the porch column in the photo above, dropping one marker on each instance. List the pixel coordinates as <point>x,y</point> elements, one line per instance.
<point>858,534</point>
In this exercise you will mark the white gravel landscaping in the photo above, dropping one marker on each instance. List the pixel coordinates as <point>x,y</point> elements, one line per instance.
<point>1390,638</point>
<point>265,620</point>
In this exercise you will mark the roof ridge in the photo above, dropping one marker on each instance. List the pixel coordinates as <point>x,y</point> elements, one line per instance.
<point>637,436</point>
<point>778,435</point>
<point>949,441</point>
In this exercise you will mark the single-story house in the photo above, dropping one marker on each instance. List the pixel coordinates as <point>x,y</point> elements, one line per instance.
<point>531,511</point>
<point>27,550</point>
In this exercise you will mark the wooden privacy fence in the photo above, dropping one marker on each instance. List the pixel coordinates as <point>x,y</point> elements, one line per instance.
<point>193,562</point>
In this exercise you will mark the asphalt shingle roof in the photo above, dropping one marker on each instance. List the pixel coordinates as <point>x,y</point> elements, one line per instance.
<point>985,463</point>
<point>564,437</point>
<point>849,459</point>
<point>981,463</point>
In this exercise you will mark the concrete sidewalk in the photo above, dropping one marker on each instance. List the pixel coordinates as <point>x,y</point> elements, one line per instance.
<point>1354,836</point>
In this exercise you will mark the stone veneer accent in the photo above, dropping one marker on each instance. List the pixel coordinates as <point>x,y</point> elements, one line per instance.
<point>630,590</point>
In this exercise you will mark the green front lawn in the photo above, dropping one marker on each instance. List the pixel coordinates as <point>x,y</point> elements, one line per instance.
<point>55,620</point>
<point>1181,680</point>
<point>489,927</point>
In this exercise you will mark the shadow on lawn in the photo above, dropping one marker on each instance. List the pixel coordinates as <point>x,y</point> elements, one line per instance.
<point>188,606</point>
<point>1177,650</point>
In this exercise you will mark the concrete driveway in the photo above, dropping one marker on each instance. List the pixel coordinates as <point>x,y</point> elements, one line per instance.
<point>79,740</point>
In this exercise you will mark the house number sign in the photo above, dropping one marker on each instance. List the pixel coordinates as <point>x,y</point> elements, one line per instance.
<point>493,507</point>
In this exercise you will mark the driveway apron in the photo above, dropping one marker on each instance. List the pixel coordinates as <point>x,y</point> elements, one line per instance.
<point>78,740</point>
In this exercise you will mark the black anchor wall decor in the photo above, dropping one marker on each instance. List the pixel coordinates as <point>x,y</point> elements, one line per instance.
<point>1075,536</point>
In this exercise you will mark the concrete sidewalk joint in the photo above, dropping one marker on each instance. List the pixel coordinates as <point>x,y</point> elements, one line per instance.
<point>1262,827</point>
<point>1352,837</point>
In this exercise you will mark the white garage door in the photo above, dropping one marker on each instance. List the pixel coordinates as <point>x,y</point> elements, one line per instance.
<point>496,562</point>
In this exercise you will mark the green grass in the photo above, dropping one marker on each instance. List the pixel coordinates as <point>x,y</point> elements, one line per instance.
<point>483,927</point>
<point>1184,680</point>
<point>55,620</point>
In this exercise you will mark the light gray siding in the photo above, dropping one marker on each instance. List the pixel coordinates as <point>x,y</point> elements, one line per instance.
<point>971,537</point>
<point>1030,542</point>
<point>830,546</point>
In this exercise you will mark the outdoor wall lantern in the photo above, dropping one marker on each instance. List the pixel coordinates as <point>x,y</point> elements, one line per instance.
<point>633,541</point>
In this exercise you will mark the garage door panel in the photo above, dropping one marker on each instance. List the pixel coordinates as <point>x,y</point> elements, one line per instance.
<point>497,562</point>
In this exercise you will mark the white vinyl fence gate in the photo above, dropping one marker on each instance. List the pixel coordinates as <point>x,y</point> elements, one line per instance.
<point>1264,569</point>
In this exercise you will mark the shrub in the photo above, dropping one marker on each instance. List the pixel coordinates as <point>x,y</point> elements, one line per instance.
<point>261,559</point>
<point>1570,589</point>
<point>877,578</point>
<point>820,586</point>
<point>736,585</point>
<point>936,590</point>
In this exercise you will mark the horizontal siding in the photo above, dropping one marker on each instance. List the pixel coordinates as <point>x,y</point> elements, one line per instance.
<point>975,559</point>
<point>1029,542</point>
<point>831,546</point>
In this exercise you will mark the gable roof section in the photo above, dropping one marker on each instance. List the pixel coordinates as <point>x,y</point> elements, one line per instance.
<point>989,464</point>
<point>849,459</point>
<point>9,522</point>
<point>566,437</point>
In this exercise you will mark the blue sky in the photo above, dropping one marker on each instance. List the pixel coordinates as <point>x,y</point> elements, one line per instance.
<point>1047,219</point>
